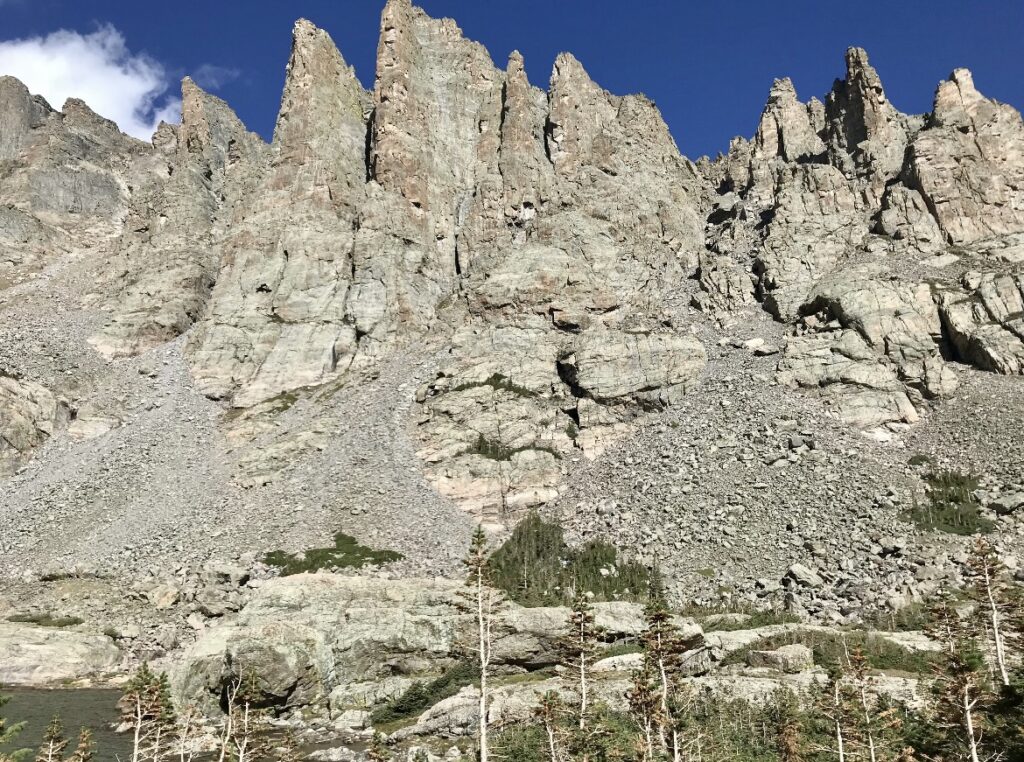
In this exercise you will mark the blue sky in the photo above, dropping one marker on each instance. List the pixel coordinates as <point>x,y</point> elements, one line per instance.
<point>707,64</point>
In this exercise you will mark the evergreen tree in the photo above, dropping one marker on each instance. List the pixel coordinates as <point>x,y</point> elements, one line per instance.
<point>54,742</point>
<point>663,650</point>
<point>146,706</point>
<point>580,648</point>
<point>644,707</point>
<point>550,712</point>
<point>955,727</point>
<point>485,601</point>
<point>86,749</point>
<point>785,722</point>
<point>8,735</point>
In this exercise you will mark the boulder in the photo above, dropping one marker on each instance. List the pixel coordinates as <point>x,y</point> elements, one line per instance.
<point>789,659</point>
<point>49,657</point>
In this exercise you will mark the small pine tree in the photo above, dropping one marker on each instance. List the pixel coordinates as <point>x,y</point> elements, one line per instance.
<point>579,648</point>
<point>663,649</point>
<point>85,751</point>
<point>146,706</point>
<point>784,716</point>
<point>644,707</point>
<point>378,752</point>
<point>955,727</point>
<point>550,712</point>
<point>9,734</point>
<point>484,602</point>
<point>54,742</point>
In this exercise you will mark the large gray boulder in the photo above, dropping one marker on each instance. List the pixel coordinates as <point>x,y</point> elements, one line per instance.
<point>50,657</point>
<point>308,636</point>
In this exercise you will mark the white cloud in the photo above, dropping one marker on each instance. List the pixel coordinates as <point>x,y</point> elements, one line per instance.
<point>213,77</point>
<point>99,69</point>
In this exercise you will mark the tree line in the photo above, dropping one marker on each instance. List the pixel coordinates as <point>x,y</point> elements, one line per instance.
<point>973,709</point>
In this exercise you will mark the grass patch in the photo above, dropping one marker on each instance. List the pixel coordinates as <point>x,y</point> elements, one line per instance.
<point>757,619</point>
<point>951,506</point>
<point>535,567</point>
<point>499,383</point>
<point>830,651</point>
<point>46,620</point>
<point>916,616</point>
<point>420,696</point>
<point>492,450</point>
<point>282,402</point>
<point>347,553</point>
<point>523,678</point>
<point>624,648</point>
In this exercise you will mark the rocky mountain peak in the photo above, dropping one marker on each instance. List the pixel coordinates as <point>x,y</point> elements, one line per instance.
<point>20,113</point>
<point>322,95</point>
<point>862,123</point>
<point>786,130</point>
<point>492,288</point>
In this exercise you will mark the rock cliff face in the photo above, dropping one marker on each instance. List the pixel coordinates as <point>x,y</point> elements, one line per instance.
<point>561,273</point>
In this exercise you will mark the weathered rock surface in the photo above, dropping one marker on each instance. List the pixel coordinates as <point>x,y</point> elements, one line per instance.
<point>29,415</point>
<point>969,163</point>
<point>47,657</point>
<point>459,290</point>
<point>986,320</point>
<point>309,637</point>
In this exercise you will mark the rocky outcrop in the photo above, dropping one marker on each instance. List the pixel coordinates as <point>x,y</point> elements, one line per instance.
<point>169,255</point>
<point>309,635</point>
<point>49,657</point>
<point>985,320</point>
<point>837,203</point>
<point>516,401</point>
<point>277,318</point>
<point>29,415</point>
<point>968,164</point>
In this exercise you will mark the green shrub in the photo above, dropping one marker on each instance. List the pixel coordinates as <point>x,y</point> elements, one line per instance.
<point>535,567</point>
<point>499,383</point>
<point>527,742</point>
<point>46,620</point>
<point>347,553</point>
<point>420,696</point>
<point>492,450</point>
<point>951,506</point>
<point>831,649</point>
<point>752,621</point>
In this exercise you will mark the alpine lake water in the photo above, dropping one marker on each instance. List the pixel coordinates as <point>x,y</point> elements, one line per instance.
<point>95,708</point>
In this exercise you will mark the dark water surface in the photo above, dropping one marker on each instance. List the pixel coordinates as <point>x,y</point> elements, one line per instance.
<point>95,708</point>
<point>90,707</point>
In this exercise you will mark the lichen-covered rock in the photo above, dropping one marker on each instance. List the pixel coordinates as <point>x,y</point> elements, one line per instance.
<point>309,635</point>
<point>29,415</point>
<point>986,320</point>
<point>969,163</point>
<point>650,370</point>
<point>49,657</point>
